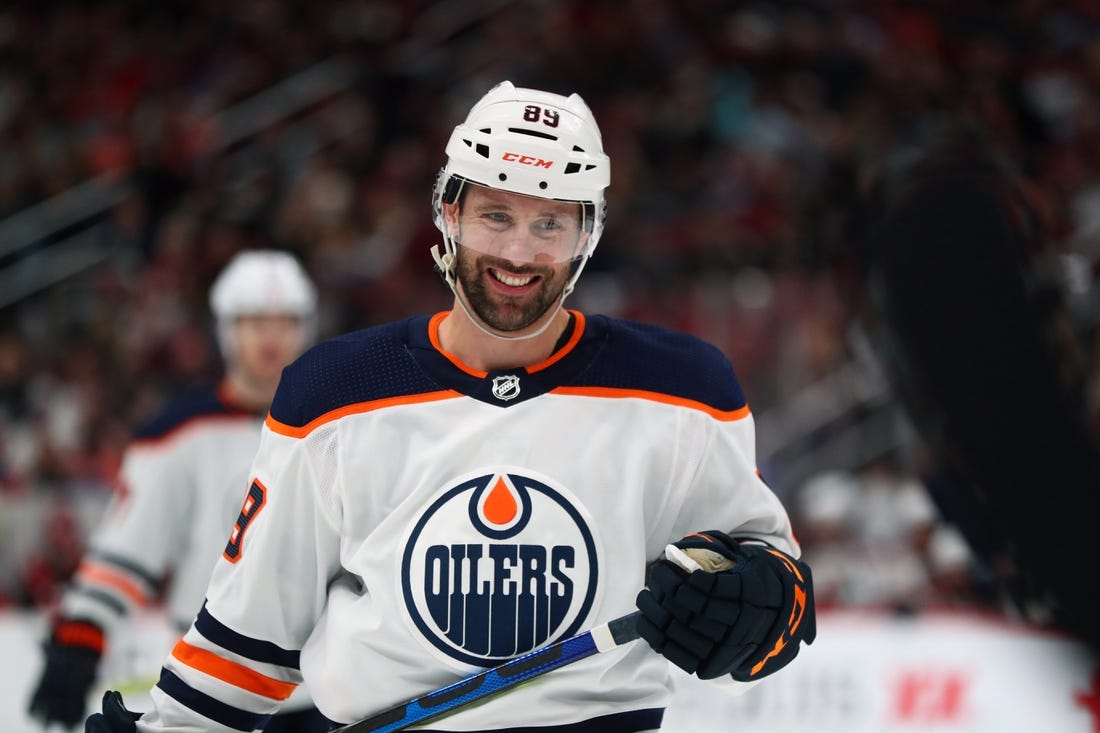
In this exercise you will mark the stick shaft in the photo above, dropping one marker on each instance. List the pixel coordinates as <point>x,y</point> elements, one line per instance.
<point>447,699</point>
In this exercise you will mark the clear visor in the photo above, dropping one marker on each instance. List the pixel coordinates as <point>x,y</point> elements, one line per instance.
<point>516,227</point>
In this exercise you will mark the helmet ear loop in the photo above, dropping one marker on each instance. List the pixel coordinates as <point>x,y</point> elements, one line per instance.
<point>447,262</point>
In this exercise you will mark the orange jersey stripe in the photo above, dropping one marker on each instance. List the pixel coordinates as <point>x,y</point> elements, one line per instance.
<point>433,337</point>
<point>616,393</point>
<point>93,572</point>
<point>578,331</point>
<point>574,339</point>
<point>359,407</point>
<point>231,672</point>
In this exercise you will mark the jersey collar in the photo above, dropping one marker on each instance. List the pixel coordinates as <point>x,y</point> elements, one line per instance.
<point>576,323</point>
<point>502,387</point>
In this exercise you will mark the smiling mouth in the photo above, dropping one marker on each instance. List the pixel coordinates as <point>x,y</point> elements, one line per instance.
<point>513,281</point>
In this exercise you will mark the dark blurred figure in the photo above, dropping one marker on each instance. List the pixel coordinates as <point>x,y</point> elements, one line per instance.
<point>53,561</point>
<point>966,312</point>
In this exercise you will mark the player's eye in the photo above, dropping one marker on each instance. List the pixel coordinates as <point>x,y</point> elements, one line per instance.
<point>496,220</point>
<point>548,224</point>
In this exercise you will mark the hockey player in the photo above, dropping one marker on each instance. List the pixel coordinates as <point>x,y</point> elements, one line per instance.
<point>447,492</point>
<point>181,486</point>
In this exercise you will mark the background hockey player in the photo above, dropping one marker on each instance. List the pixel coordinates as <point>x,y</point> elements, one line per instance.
<point>443,493</point>
<point>182,484</point>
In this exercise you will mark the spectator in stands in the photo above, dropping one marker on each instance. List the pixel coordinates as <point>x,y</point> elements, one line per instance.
<point>758,122</point>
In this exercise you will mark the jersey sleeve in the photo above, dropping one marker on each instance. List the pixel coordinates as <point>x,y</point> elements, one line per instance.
<point>726,483</point>
<point>240,659</point>
<point>724,490</point>
<point>132,547</point>
<point>715,480</point>
<point>716,484</point>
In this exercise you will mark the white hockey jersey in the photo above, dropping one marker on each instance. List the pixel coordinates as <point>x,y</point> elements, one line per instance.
<point>177,495</point>
<point>178,492</point>
<point>412,520</point>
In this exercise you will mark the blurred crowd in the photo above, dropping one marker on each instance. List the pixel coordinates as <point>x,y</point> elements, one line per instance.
<point>742,136</point>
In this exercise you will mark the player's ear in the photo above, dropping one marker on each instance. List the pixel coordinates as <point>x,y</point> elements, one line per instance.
<point>450,215</point>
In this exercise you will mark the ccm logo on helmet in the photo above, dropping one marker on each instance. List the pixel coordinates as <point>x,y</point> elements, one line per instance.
<point>527,160</point>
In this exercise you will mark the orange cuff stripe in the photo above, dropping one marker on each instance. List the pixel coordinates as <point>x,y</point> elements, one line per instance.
<point>301,432</point>
<point>780,643</point>
<point>791,567</point>
<point>92,572</point>
<point>798,611</point>
<point>75,633</point>
<point>616,393</point>
<point>231,672</point>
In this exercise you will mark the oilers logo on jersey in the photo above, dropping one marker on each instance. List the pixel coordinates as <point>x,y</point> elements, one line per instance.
<point>501,562</point>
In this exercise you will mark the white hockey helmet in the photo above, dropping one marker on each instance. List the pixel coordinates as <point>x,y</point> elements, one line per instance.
<point>260,282</point>
<point>528,142</point>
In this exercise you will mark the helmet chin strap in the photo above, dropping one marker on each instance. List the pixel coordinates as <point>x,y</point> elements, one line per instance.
<point>446,263</point>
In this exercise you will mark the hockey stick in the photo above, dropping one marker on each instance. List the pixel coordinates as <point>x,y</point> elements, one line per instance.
<point>602,638</point>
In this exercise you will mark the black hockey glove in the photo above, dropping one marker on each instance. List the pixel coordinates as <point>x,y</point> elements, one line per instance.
<point>744,614</point>
<point>115,718</point>
<point>72,655</point>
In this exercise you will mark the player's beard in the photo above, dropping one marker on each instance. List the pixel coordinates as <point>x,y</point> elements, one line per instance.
<point>506,313</point>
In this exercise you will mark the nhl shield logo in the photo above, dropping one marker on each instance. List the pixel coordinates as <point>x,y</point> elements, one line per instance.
<point>506,387</point>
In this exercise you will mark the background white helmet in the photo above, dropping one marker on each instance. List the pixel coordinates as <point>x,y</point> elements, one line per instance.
<point>529,142</point>
<point>260,282</point>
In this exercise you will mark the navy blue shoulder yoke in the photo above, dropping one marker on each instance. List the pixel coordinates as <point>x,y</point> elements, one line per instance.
<point>191,404</point>
<point>362,366</point>
<point>650,358</point>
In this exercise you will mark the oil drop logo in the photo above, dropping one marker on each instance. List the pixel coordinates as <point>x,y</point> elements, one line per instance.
<point>499,563</point>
